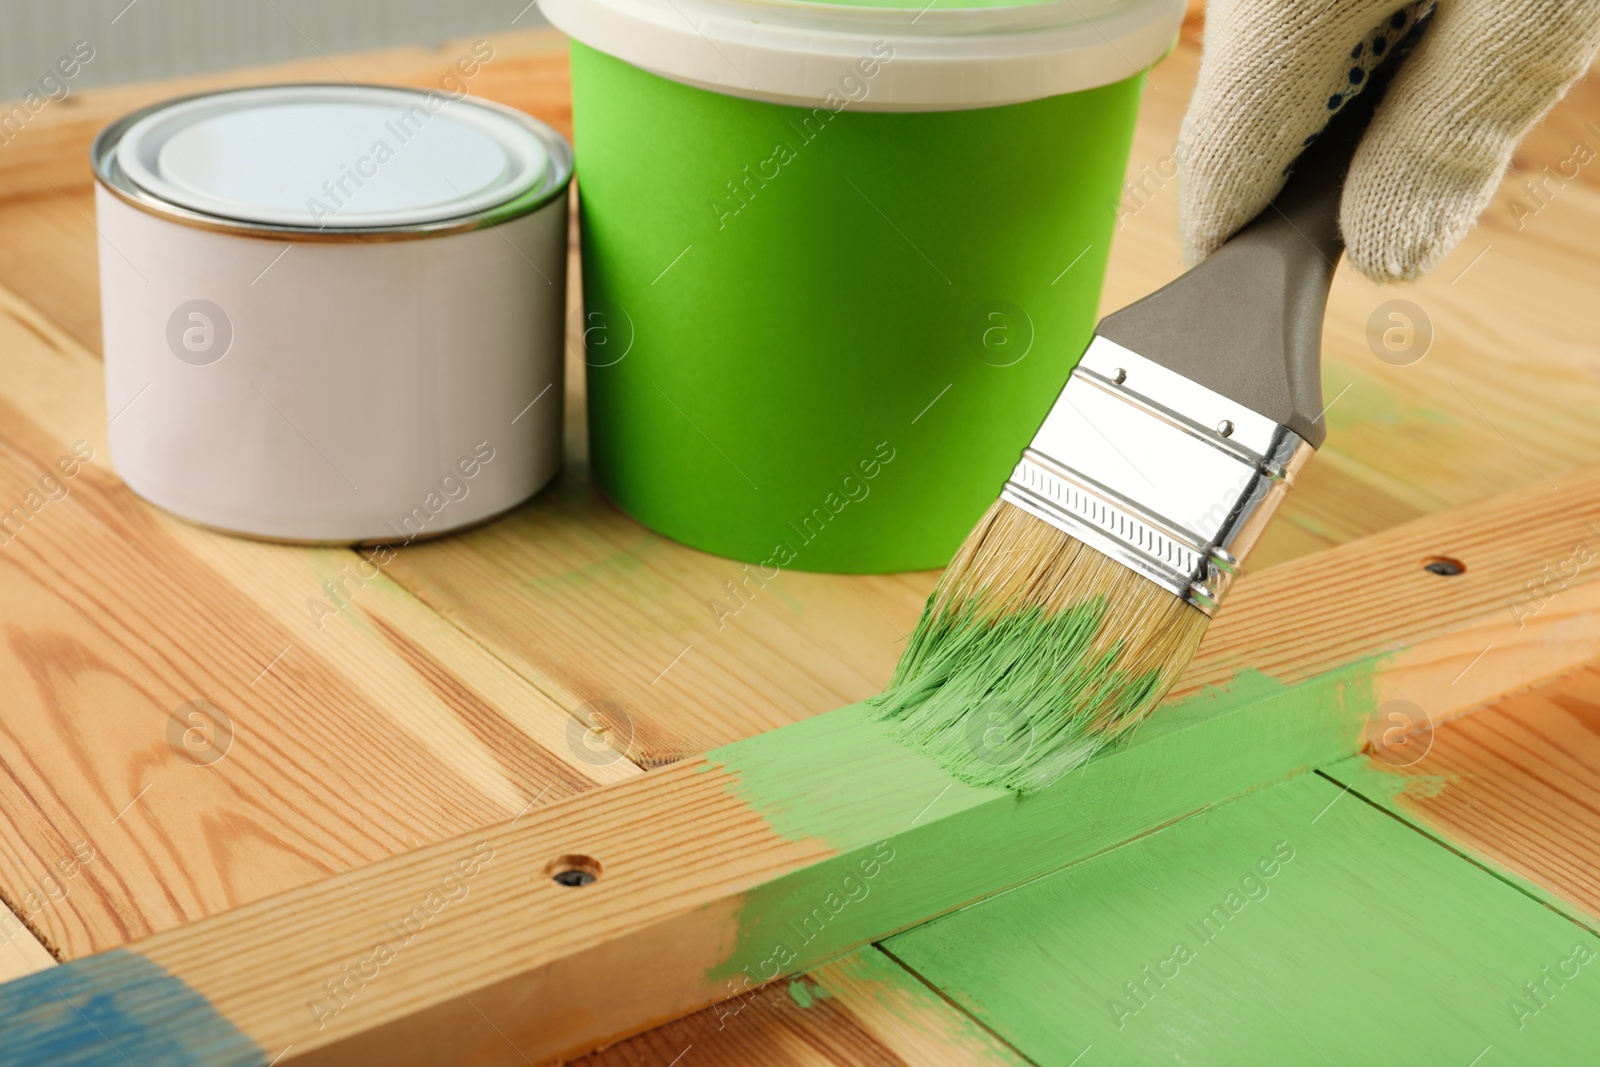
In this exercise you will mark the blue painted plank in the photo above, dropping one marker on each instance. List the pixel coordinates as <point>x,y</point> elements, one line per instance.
<point>112,1010</point>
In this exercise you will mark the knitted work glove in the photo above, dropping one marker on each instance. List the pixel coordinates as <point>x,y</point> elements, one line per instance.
<point>1275,71</point>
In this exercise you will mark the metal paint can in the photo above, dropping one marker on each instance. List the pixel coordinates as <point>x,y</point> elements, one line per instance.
<point>333,313</point>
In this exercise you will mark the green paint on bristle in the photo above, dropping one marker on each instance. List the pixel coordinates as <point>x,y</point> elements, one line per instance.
<point>1015,700</point>
<point>1033,654</point>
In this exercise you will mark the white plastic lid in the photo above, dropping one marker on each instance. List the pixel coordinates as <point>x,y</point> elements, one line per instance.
<point>328,156</point>
<point>934,55</point>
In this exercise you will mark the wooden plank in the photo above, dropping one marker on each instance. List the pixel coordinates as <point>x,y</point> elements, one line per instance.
<point>64,284</point>
<point>1292,926</point>
<point>1453,642</point>
<point>21,953</point>
<point>849,628</point>
<point>1515,785</point>
<point>689,675</point>
<point>351,735</point>
<point>864,1010</point>
<point>593,609</point>
<point>587,605</point>
<point>774,854</point>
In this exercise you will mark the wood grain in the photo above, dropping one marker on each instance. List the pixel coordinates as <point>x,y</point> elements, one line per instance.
<point>63,283</point>
<point>374,732</point>
<point>595,610</point>
<point>1515,785</point>
<point>373,737</point>
<point>582,601</point>
<point>1395,605</point>
<point>20,952</point>
<point>716,869</point>
<point>860,1011</point>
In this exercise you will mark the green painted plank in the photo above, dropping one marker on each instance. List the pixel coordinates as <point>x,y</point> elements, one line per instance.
<point>1386,788</point>
<point>936,843</point>
<point>1296,925</point>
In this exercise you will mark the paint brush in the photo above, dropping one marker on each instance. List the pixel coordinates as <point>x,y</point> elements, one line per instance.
<point>1084,591</point>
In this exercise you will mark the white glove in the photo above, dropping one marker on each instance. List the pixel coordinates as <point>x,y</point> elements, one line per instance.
<point>1275,71</point>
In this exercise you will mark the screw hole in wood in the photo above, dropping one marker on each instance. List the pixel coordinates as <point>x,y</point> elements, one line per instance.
<point>574,870</point>
<point>1444,566</point>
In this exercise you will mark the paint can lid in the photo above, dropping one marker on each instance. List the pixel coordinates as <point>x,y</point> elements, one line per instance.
<point>922,55</point>
<point>334,157</point>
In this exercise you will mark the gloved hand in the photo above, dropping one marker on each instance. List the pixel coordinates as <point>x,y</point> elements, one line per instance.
<point>1275,71</point>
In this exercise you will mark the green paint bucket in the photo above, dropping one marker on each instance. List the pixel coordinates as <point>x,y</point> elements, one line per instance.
<point>839,260</point>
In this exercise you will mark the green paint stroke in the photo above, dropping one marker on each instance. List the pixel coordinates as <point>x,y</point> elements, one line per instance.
<point>1348,689</point>
<point>1294,925</point>
<point>845,779</point>
<point>805,994</point>
<point>1396,790</point>
<point>1016,701</point>
<point>808,779</point>
<point>903,840</point>
<point>841,780</point>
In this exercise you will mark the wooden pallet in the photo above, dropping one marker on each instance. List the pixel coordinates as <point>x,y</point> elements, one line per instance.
<point>359,868</point>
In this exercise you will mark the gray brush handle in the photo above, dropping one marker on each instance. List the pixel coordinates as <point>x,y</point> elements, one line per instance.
<point>1247,321</point>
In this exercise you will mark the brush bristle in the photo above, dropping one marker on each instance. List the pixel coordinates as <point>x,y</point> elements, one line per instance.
<point>1034,652</point>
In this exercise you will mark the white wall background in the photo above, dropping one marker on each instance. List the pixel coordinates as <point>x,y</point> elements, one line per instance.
<point>163,38</point>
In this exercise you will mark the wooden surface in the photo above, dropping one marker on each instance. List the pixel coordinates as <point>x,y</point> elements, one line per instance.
<point>460,689</point>
<point>1516,785</point>
<point>864,1010</point>
<point>20,952</point>
<point>349,741</point>
<point>592,608</point>
<point>741,866</point>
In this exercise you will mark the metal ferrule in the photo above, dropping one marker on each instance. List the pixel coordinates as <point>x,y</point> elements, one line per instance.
<point>1156,471</point>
